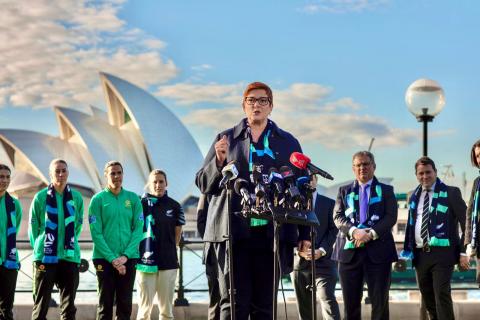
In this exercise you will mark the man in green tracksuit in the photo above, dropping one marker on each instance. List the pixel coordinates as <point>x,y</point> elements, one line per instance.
<point>116,224</point>
<point>10,218</point>
<point>56,217</point>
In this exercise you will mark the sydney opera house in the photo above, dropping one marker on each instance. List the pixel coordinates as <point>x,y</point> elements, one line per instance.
<point>137,130</point>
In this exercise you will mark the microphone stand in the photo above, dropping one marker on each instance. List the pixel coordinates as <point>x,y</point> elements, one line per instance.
<point>277,220</point>
<point>276,257</point>
<point>229,236</point>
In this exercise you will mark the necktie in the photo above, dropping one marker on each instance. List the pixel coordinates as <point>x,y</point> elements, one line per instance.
<point>363,203</point>
<point>425,218</point>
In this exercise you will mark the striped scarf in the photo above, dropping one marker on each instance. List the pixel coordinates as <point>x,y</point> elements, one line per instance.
<point>148,255</point>
<point>438,226</point>
<point>11,261</point>
<point>51,225</point>
<point>476,200</point>
<point>352,211</point>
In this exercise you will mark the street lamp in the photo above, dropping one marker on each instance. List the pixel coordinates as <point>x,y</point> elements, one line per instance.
<point>425,99</point>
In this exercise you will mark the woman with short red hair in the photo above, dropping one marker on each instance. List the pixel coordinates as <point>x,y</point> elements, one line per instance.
<point>256,144</point>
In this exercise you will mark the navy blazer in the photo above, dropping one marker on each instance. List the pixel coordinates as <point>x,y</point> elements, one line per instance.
<point>468,221</point>
<point>456,217</point>
<point>326,234</point>
<point>208,178</point>
<point>381,250</point>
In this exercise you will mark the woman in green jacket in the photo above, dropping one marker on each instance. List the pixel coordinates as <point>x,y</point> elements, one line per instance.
<point>116,221</point>
<point>56,217</point>
<point>10,218</point>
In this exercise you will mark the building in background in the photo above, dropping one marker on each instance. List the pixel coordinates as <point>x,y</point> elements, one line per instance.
<point>137,130</point>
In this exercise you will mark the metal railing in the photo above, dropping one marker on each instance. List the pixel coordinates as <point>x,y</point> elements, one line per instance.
<point>183,288</point>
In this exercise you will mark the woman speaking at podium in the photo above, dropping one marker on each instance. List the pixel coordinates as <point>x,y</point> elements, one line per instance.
<point>255,144</point>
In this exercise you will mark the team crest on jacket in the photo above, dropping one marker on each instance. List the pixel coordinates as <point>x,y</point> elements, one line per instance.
<point>128,204</point>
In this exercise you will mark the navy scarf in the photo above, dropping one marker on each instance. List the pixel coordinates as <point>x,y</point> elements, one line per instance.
<point>264,156</point>
<point>11,254</point>
<point>476,200</point>
<point>352,210</point>
<point>148,255</point>
<point>438,226</point>
<point>51,225</point>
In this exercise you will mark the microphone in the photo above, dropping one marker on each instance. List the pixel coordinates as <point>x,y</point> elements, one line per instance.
<point>292,190</point>
<point>303,184</point>
<point>229,172</point>
<point>307,190</point>
<point>240,188</point>
<point>303,162</point>
<point>259,188</point>
<point>276,180</point>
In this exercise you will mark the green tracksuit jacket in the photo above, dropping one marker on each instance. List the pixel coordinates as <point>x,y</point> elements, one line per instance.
<point>3,226</point>
<point>116,224</point>
<point>36,228</point>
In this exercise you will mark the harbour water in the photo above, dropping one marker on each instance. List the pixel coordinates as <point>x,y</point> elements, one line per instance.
<point>194,279</point>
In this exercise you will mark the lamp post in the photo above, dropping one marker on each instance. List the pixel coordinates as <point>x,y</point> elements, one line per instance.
<point>425,99</point>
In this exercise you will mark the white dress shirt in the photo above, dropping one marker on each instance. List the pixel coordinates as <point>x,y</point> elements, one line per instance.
<point>418,224</point>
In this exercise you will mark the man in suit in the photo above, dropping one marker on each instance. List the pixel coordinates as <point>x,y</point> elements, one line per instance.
<point>432,240</point>
<point>326,269</point>
<point>365,212</point>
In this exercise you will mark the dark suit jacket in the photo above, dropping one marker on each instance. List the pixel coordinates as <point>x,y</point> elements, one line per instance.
<point>456,214</point>
<point>381,250</point>
<point>468,222</point>
<point>326,234</point>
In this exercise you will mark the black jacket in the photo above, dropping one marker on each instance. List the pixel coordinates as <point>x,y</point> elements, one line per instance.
<point>468,222</point>
<point>326,234</point>
<point>456,214</point>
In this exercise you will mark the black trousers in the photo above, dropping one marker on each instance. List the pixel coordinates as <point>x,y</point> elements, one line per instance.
<point>112,285</point>
<point>434,272</point>
<point>8,280</point>
<point>253,279</point>
<point>354,274</point>
<point>211,271</point>
<point>326,278</point>
<point>65,276</point>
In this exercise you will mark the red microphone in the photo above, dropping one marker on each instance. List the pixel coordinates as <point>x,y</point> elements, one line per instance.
<point>303,162</point>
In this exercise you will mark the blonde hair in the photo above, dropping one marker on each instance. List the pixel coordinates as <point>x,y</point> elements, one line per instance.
<point>154,172</point>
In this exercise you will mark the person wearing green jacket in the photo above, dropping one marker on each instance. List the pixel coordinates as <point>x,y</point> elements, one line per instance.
<point>55,224</point>
<point>115,216</point>
<point>10,218</point>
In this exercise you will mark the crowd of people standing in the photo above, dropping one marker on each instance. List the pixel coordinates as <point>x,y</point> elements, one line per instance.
<point>135,238</point>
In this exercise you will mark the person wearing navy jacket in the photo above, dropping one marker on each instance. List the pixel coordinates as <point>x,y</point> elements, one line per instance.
<point>365,212</point>
<point>325,268</point>
<point>432,241</point>
<point>254,141</point>
<point>158,263</point>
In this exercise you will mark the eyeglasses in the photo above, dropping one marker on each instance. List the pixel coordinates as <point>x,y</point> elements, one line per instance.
<point>263,101</point>
<point>362,164</point>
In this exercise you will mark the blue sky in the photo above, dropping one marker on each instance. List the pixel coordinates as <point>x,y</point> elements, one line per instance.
<point>339,69</point>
